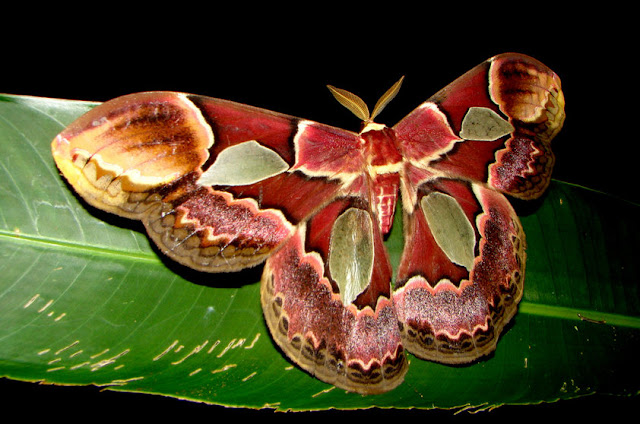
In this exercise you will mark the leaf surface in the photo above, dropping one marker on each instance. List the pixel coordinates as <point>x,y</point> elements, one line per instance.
<point>86,299</point>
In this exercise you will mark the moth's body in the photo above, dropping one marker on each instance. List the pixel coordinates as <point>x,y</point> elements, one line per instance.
<point>222,186</point>
<point>376,171</point>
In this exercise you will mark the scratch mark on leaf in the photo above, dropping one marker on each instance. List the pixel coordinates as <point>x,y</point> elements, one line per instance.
<point>164,352</point>
<point>67,347</point>
<point>253,342</point>
<point>323,391</point>
<point>225,368</point>
<point>55,369</point>
<point>30,301</point>
<point>594,321</point>
<point>193,352</point>
<point>250,376</point>
<point>194,372</point>
<point>99,354</point>
<point>80,365</point>
<point>53,361</point>
<point>62,315</point>
<point>108,361</point>
<point>234,343</point>
<point>213,346</point>
<point>76,354</point>
<point>42,352</point>
<point>122,382</point>
<point>46,305</point>
<point>226,348</point>
<point>271,405</point>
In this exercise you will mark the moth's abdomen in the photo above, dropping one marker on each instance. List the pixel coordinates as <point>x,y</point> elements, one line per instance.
<point>385,199</point>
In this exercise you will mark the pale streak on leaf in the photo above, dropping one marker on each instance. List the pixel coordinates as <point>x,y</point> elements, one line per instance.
<point>100,354</point>
<point>80,365</point>
<point>250,376</point>
<point>253,342</point>
<point>46,305</point>
<point>108,361</point>
<point>234,343</point>
<point>59,351</point>
<point>124,381</point>
<point>30,301</point>
<point>195,350</point>
<point>167,350</point>
<point>225,368</point>
<point>213,346</point>
<point>55,369</point>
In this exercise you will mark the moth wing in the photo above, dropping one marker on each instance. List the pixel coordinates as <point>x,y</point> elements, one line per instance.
<point>462,269</point>
<point>493,125</point>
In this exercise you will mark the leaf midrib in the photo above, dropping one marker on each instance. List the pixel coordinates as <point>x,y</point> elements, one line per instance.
<point>525,307</point>
<point>578,314</point>
<point>63,245</point>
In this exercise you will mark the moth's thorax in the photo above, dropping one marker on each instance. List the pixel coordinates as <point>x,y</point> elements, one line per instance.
<point>383,162</point>
<point>371,126</point>
<point>382,150</point>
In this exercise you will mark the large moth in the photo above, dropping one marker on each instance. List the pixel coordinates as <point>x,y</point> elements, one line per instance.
<point>222,186</point>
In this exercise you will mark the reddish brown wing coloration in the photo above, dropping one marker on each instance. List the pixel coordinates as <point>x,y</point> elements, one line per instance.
<point>520,90</point>
<point>145,156</point>
<point>222,186</point>
<point>453,310</point>
<point>352,344</point>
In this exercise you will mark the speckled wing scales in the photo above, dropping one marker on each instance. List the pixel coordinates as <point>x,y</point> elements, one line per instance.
<point>347,337</point>
<point>493,125</point>
<point>462,270</point>
<point>141,156</point>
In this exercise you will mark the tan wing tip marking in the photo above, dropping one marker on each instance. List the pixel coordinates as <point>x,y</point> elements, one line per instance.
<point>529,92</point>
<point>131,144</point>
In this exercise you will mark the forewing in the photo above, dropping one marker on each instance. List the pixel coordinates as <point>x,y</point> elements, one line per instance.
<point>212,180</point>
<point>494,124</point>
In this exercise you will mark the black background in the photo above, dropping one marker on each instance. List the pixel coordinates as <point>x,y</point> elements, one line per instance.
<point>281,58</point>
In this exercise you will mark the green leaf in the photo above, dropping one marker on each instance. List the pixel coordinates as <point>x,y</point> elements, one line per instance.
<point>86,299</point>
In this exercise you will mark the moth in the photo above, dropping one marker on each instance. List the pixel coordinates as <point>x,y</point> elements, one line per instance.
<point>221,186</point>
